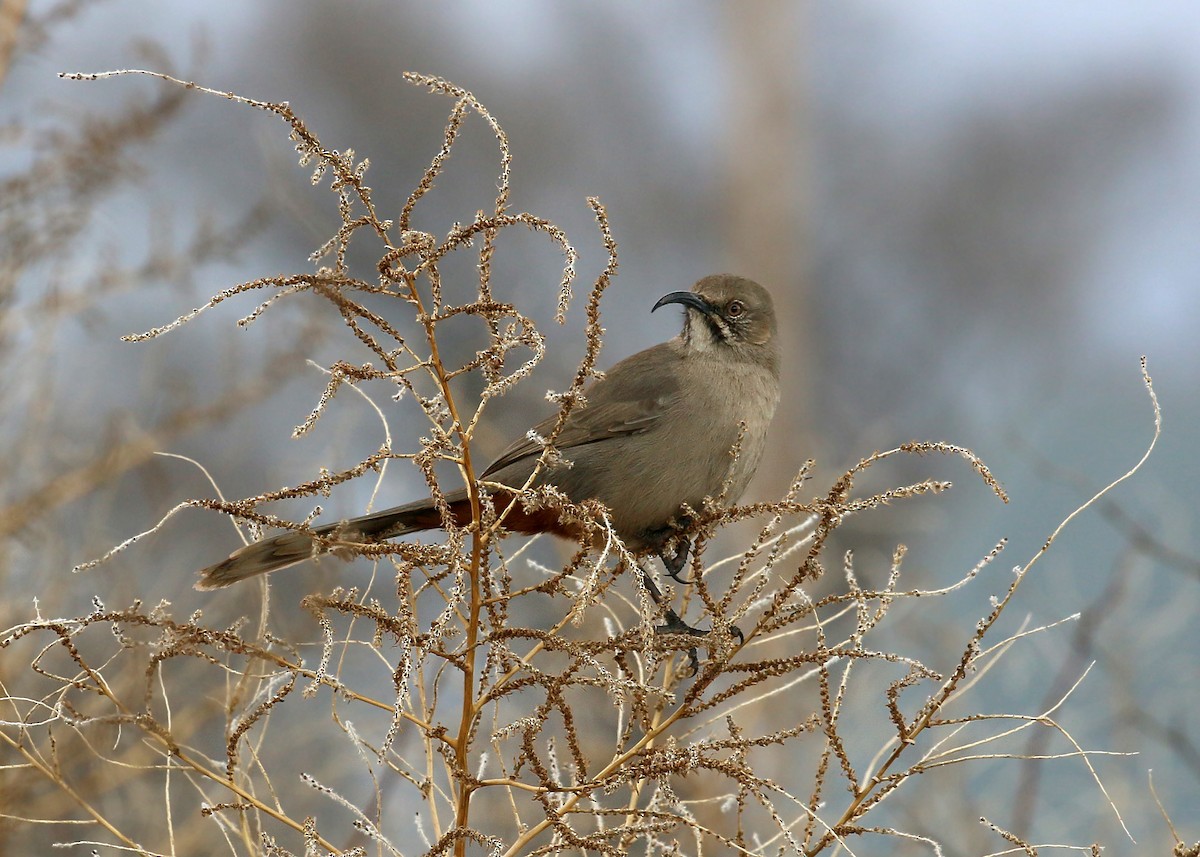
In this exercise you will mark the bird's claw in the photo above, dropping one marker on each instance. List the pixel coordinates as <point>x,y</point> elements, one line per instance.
<point>674,625</point>
<point>674,564</point>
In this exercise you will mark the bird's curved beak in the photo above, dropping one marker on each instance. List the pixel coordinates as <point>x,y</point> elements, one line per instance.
<point>688,299</point>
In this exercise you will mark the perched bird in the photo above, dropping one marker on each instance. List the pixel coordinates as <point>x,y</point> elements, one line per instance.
<point>656,433</point>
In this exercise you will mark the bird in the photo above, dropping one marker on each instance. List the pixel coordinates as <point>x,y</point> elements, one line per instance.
<point>657,433</point>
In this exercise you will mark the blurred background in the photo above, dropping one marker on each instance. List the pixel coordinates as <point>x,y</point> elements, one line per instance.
<point>975,221</point>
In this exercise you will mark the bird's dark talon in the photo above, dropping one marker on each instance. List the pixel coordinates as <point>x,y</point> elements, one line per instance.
<point>675,625</point>
<point>674,564</point>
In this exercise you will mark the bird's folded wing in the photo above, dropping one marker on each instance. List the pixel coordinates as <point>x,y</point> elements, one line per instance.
<point>598,421</point>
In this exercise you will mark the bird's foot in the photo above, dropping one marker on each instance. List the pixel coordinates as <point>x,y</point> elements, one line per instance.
<point>674,564</point>
<point>674,625</point>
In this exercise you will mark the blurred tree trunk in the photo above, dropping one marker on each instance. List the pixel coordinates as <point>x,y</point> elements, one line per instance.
<point>766,204</point>
<point>766,239</point>
<point>12,12</point>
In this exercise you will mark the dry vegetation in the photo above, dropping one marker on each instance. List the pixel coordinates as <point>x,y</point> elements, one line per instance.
<point>471,699</point>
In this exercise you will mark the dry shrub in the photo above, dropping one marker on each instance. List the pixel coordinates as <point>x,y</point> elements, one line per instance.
<point>507,706</point>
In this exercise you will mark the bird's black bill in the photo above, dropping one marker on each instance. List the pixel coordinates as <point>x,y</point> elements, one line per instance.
<point>690,299</point>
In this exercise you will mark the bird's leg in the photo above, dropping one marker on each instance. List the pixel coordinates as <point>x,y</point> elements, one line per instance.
<point>672,624</point>
<point>674,565</point>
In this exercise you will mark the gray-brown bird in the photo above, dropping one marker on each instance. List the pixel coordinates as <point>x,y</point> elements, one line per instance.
<point>656,433</point>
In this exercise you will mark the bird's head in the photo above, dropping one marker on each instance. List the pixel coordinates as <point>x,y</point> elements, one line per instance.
<point>724,310</point>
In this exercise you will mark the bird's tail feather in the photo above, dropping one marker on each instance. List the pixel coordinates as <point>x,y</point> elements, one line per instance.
<point>291,547</point>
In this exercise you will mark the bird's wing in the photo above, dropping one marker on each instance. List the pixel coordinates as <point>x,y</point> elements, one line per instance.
<point>615,407</point>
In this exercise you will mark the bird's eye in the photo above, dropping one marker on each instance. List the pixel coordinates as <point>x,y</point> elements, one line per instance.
<point>734,308</point>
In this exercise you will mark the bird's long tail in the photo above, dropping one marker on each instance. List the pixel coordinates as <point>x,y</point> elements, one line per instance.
<point>291,547</point>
